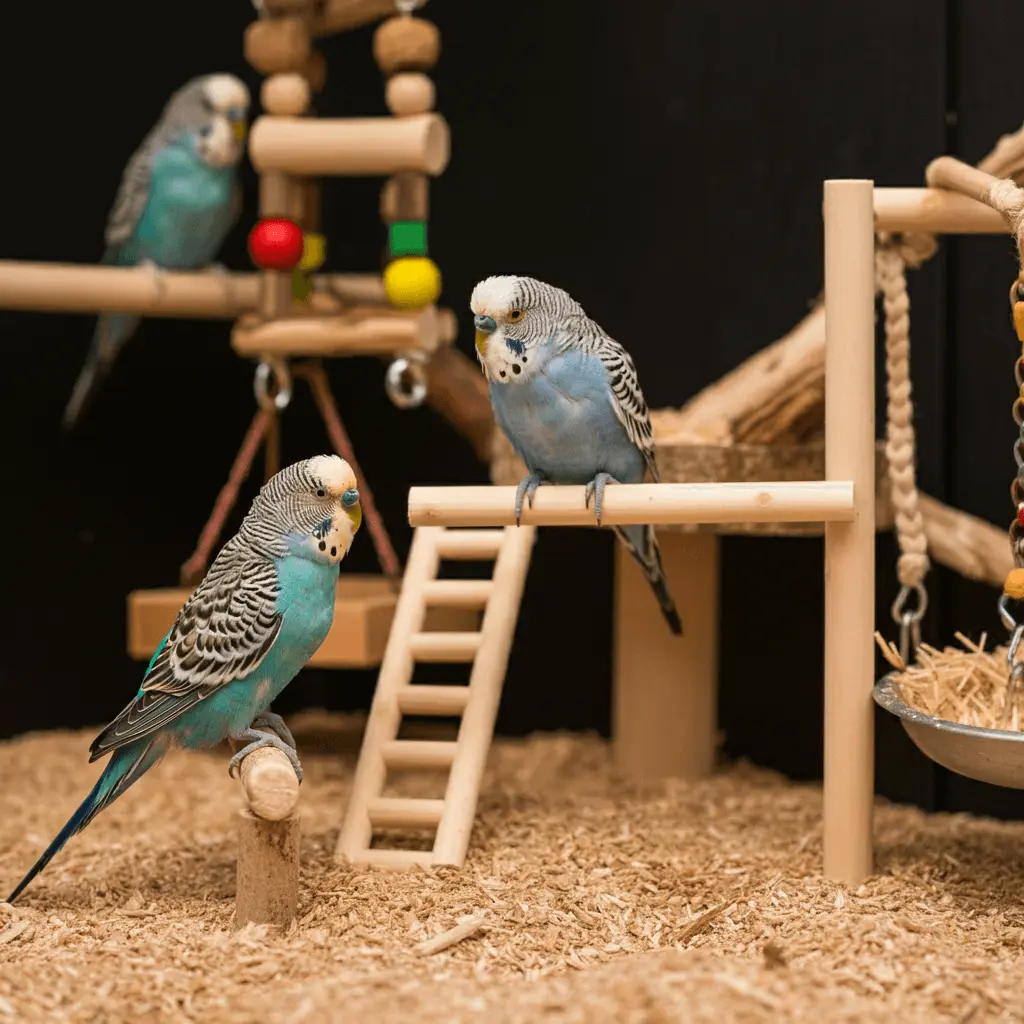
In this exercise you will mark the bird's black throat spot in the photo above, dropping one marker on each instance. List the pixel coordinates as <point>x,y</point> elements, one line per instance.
<point>334,551</point>
<point>517,369</point>
<point>323,545</point>
<point>502,373</point>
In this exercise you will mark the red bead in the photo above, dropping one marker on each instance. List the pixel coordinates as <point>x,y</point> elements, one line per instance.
<point>276,244</point>
<point>1020,514</point>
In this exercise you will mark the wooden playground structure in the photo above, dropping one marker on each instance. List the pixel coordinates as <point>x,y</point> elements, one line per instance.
<point>664,704</point>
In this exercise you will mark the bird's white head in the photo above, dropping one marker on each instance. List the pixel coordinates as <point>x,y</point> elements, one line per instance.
<point>225,102</point>
<point>512,316</point>
<point>313,507</point>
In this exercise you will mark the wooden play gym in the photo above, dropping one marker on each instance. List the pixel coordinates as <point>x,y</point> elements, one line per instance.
<point>664,687</point>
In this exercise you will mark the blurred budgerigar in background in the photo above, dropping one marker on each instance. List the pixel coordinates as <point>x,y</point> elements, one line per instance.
<point>179,197</point>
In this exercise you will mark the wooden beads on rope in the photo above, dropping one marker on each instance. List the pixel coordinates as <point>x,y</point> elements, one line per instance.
<point>286,95</point>
<point>276,45</point>
<point>408,93</point>
<point>405,43</point>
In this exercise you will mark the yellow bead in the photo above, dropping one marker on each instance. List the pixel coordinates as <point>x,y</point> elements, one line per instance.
<point>411,282</point>
<point>314,251</point>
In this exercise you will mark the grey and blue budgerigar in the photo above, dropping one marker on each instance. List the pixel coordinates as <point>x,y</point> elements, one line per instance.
<point>179,197</point>
<point>264,607</point>
<point>566,395</point>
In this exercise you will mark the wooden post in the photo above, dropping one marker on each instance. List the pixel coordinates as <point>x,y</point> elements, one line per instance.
<point>267,879</point>
<point>665,687</point>
<point>849,546</point>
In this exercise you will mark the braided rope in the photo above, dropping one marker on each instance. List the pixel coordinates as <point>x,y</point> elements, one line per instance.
<point>900,449</point>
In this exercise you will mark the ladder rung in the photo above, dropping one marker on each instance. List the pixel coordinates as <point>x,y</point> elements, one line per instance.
<point>395,860</point>
<point>421,699</point>
<point>458,593</point>
<point>444,647</point>
<point>470,544</point>
<point>402,754</point>
<point>397,812</point>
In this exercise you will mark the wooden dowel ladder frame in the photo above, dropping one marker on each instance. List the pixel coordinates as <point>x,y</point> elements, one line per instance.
<point>853,211</point>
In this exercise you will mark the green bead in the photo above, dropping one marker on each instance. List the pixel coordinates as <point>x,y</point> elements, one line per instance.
<point>302,287</point>
<point>408,238</point>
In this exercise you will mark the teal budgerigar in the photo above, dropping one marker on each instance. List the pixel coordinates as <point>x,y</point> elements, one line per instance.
<point>566,395</point>
<point>179,197</point>
<point>264,607</point>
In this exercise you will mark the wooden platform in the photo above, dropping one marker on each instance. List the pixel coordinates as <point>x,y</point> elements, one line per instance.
<point>363,610</point>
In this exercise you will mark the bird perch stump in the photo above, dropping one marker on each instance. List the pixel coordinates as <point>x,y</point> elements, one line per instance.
<point>267,887</point>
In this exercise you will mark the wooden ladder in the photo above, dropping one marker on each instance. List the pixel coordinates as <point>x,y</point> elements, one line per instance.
<point>477,703</point>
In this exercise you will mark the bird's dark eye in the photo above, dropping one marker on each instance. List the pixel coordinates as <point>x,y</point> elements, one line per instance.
<point>350,498</point>
<point>515,314</point>
<point>205,131</point>
<point>321,493</point>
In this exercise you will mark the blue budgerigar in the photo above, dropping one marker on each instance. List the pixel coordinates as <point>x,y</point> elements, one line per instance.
<point>179,197</point>
<point>566,396</point>
<point>258,616</point>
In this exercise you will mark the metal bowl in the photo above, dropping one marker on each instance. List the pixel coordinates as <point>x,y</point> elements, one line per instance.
<point>988,755</point>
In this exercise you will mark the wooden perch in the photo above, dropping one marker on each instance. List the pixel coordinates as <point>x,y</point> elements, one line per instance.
<point>966,544</point>
<point>270,783</point>
<point>79,288</point>
<point>267,876</point>
<point>350,146</point>
<point>790,501</point>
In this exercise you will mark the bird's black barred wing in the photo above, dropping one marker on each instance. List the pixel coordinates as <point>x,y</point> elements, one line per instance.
<point>224,631</point>
<point>627,399</point>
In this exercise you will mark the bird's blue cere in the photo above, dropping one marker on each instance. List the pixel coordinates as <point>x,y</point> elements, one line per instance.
<point>485,324</point>
<point>350,498</point>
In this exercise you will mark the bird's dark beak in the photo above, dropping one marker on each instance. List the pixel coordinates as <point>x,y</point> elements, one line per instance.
<point>484,325</point>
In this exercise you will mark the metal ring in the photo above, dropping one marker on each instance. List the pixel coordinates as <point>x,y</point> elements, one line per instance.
<point>405,381</point>
<point>898,612</point>
<point>1004,614</point>
<point>282,379</point>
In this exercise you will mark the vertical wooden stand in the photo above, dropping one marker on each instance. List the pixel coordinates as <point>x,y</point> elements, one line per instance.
<point>849,547</point>
<point>267,886</point>
<point>268,870</point>
<point>664,712</point>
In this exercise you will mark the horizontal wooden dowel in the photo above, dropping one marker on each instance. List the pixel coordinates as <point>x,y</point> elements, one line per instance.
<point>444,647</point>
<point>79,288</point>
<point>358,146</point>
<point>401,755</point>
<point>373,331</point>
<point>69,288</point>
<point>812,501</point>
<point>934,211</point>
<point>458,593</point>
<point>399,812</point>
<point>270,783</point>
<point>344,15</point>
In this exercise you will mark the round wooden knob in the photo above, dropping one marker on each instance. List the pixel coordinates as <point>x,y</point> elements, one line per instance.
<point>406,44</point>
<point>277,44</point>
<point>408,93</point>
<point>285,95</point>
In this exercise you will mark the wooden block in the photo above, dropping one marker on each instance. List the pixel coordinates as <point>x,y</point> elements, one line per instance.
<point>406,44</point>
<point>267,886</point>
<point>276,45</point>
<point>363,610</point>
<point>405,197</point>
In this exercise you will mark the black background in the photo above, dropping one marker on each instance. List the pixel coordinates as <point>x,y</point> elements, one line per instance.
<point>663,162</point>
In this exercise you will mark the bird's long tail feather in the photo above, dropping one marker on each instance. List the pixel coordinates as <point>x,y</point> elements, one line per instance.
<point>112,332</point>
<point>642,544</point>
<point>127,765</point>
